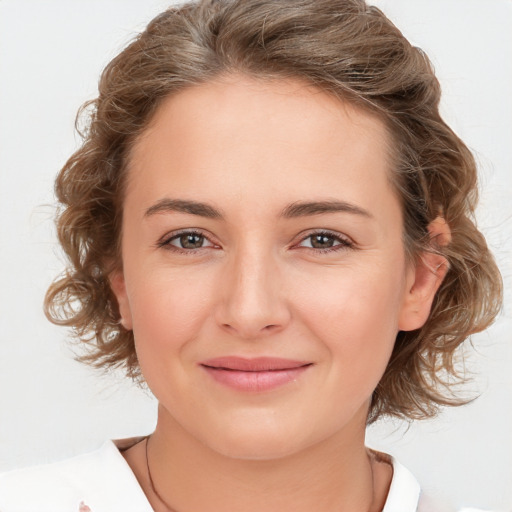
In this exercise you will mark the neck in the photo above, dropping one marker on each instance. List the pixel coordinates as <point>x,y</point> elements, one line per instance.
<point>335,474</point>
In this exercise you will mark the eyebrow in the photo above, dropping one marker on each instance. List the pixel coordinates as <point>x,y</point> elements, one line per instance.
<point>293,210</point>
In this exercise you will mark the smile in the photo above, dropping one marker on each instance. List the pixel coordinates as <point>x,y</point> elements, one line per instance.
<point>254,375</point>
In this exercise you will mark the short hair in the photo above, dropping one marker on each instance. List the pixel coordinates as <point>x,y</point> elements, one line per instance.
<point>344,48</point>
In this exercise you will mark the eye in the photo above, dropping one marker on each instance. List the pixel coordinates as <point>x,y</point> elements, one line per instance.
<point>185,241</point>
<point>325,241</point>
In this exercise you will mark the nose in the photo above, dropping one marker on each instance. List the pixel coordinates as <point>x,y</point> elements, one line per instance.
<point>253,300</point>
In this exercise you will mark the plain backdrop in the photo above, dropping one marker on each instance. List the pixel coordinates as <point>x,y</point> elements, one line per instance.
<point>51,54</point>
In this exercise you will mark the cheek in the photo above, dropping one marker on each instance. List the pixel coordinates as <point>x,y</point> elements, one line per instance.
<point>168,309</point>
<point>355,316</point>
<point>165,309</point>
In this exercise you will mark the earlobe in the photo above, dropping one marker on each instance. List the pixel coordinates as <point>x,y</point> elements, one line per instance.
<point>424,278</point>
<point>118,286</point>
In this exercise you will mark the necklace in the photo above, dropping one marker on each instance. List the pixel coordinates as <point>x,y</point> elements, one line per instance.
<point>152,485</point>
<point>170,509</point>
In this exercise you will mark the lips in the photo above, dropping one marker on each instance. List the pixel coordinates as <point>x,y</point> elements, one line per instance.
<point>256,374</point>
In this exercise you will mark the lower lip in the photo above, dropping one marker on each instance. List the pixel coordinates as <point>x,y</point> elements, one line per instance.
<point>255,381</point>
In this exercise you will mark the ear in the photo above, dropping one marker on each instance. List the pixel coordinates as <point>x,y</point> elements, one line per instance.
<point>424,278</point>
<point>118,286</point>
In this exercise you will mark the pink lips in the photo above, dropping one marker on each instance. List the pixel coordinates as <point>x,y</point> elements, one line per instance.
<point>258,374</point>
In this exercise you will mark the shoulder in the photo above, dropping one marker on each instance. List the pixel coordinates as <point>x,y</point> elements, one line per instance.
<point>101,479</point>
<point>405,494</point>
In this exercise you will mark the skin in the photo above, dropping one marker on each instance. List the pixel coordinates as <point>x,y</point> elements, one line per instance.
<point>256,285</point>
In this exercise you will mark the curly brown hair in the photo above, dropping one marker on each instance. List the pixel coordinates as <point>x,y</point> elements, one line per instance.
<point>345,48</point>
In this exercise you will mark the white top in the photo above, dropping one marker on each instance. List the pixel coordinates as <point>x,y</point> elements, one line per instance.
<point>102,481</point>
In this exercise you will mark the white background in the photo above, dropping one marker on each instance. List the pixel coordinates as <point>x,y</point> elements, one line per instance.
<point>51,54</point>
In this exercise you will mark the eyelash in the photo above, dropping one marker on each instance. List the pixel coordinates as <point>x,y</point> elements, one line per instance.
<point>344,243</point>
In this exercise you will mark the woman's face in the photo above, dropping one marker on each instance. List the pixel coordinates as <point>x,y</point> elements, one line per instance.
<point>259,222</point>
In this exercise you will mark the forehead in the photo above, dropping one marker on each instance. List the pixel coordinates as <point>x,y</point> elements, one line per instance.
<point>237,134</point>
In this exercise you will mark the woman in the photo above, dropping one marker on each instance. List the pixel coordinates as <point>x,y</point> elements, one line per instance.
<point>269,224</point>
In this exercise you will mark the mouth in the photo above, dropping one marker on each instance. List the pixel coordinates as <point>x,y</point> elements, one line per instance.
<point>254,375</point>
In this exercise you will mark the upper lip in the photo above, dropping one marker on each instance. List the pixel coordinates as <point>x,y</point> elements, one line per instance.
<point>257,364</point>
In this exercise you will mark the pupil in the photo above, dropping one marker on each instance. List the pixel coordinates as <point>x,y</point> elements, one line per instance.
<point>191,241</point>
<point>323,240</point>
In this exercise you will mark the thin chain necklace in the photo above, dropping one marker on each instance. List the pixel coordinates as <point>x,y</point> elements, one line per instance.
<point>152,485</point>
<point>170,509</point>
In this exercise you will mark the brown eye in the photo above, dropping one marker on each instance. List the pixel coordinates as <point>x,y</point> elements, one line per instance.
<point>321,241</point>
<point>186,241</point>
<point>190,241</point>
<point>325,242</point>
